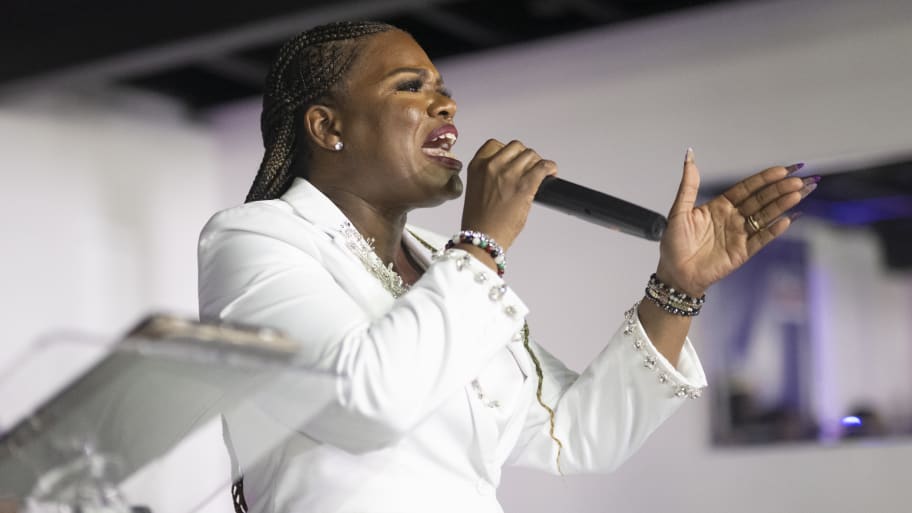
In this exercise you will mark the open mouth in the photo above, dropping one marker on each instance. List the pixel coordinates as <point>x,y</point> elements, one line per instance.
<point>438,145</point>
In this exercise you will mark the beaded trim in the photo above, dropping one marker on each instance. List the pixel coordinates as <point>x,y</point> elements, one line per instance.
<point>651,362</point>
<point>463,261</point>
<point>364,250</point>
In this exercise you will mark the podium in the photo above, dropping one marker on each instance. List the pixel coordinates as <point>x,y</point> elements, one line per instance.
<point>132,400</point>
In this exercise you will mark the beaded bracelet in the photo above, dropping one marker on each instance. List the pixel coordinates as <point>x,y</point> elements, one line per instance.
<point>672,301</point>
<point>484,242</point>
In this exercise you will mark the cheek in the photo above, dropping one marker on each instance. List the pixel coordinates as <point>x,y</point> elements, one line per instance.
<point>401,125</point>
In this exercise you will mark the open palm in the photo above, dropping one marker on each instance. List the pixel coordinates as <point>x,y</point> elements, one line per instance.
<point>703,244</point>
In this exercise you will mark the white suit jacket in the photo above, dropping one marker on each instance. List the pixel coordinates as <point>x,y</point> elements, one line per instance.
<point>433,392</point>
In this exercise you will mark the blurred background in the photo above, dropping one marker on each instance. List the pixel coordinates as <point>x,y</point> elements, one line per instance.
<point>123,127</point>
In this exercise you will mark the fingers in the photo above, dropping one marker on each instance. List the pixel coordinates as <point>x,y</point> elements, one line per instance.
<point>537,173</point>
<point>515,158</point>
<point>776,199</point>
<point>502,181</point>
<point>758,240</point>
<point>488,149</point>
<point>769,194</point>
<point>751,185</point>
<point>689,187</point>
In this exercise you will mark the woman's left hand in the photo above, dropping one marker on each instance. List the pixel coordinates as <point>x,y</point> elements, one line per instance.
<point>702,245</point>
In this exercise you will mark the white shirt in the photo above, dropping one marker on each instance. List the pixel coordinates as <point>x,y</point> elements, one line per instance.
<point>433,392</point>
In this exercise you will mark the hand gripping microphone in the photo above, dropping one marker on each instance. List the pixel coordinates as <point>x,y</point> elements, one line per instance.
<point>600,208</point>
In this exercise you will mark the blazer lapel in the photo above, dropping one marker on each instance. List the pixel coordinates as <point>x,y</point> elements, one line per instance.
<point>346,267</point>
<point>311,204</point>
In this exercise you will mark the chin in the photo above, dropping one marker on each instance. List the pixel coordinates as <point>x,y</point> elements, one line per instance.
<point>454,187</point>
<point>451,190</point>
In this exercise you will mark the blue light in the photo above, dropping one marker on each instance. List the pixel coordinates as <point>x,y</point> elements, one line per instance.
<point>851,420</point>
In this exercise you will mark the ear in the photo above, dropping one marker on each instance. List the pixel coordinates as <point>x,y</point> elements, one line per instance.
<point>323,126</point>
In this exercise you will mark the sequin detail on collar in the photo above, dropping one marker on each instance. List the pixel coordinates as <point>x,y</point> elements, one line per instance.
<point>364,250</point>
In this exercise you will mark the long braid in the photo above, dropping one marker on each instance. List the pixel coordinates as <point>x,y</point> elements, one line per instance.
<point>306,69</point>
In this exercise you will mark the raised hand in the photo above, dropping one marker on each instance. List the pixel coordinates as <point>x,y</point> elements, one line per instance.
<point>703,244</point>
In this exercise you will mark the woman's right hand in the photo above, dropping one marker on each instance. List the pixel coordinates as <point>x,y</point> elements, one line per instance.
<point>501,182</point>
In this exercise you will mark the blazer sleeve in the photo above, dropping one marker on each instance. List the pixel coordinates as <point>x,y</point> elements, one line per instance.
<point>603,415</point>
<point>389,372</point>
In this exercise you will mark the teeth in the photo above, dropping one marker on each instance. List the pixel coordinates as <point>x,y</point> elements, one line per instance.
<point>448,136</point>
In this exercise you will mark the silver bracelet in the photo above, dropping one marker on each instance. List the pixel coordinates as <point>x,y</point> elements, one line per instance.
<point>671,300</point>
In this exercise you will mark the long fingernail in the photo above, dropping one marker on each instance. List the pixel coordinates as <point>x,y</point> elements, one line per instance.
<point>795,215</point>
<point>807,189</point>
<point>812,179</point>
<point>794,167</point>
<point>689,156</point>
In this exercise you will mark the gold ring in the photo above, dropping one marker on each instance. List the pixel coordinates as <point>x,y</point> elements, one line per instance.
<point>754,224</point>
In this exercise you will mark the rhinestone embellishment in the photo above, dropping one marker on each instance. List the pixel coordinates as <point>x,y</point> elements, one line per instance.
<point>364,250</point>
<point>497,292</point>
<point>476,386</point>
<point>631,329</point>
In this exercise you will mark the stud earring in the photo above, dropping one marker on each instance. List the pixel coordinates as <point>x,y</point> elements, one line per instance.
<point>338,146</point>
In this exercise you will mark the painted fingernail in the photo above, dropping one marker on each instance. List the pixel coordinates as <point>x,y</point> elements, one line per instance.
<point>689,156</point>
<point>807,189</point>
<point>794,167</point>
<point>811,179</point>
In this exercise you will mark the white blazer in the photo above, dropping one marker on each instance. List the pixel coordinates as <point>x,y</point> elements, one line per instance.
<point>434,391</point>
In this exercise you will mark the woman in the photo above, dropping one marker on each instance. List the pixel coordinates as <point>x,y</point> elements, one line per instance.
<point>437,384</point>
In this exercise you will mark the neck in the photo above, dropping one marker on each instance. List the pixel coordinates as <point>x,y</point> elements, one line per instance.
<point>383,225</point>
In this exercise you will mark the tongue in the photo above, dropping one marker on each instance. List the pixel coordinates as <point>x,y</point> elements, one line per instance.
<point>437,152</point>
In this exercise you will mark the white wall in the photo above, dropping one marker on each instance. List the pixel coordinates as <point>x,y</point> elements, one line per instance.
<point>103,198</point>
<point>102,209</point>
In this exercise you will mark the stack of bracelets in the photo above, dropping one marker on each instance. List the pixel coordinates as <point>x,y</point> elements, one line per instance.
<point>673,302</point>
<point>484,242</point>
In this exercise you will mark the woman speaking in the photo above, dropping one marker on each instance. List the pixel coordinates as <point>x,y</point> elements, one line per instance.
<point>438,383</point>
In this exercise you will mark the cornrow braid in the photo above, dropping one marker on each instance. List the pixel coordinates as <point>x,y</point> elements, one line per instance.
<point>307,68</point>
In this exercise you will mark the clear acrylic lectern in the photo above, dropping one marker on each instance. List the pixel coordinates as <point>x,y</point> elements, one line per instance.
<point>107,409</point>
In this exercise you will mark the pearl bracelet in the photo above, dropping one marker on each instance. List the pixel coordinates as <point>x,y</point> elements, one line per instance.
<point>484,242</point>
<point>672,301</point>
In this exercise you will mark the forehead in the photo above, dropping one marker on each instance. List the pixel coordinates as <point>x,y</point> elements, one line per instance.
<point>385,52</point>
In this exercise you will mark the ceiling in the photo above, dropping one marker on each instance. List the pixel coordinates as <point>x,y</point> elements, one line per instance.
<point>208,52</point>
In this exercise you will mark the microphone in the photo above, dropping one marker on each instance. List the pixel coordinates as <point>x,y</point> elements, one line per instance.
<point>600,208</point>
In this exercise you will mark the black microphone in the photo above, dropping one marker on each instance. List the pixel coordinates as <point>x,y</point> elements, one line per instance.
<point>600,208</point>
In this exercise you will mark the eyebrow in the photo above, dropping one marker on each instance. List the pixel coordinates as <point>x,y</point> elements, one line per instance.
<point>419,71</point>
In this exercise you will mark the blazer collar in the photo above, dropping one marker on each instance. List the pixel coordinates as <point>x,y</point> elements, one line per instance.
<point>311,204</point>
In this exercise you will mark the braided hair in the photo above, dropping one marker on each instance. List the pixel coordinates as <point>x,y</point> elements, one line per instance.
<point>306,70</point>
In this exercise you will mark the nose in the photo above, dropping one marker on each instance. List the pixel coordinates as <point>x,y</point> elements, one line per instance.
<point>443,106</point>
